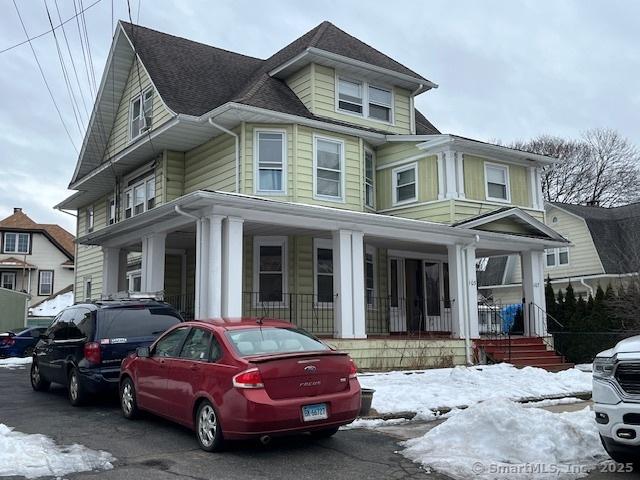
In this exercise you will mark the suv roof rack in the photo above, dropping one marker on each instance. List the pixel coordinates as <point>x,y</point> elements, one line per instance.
<point>133,296</point>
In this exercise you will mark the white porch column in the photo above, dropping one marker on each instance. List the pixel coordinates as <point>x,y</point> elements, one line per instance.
<point>232,243</point>
<point>533,292</point>
<point>472,290</point>
<point>202,236</point>
<point>110,270</point>
<point>463,291</point>
<point>358,288</point>
<point>153,253</point>
<point>343,284</point>
<point>123,284</point>
<point>451,183</point>
<point>214,272</point>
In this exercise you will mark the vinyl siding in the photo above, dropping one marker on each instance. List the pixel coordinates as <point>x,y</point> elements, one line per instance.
<point>463,209</point>
<point>301,83</point>
<point>211,166</point>
<point>88,265</point>
<point>174,174</point>
<point>324,103</point>
<point>119,138</point>
<point>427,181</point>
<point>474,181</point>
<point>433,212</point>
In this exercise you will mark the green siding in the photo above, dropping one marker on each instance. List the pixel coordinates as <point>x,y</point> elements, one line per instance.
<point>474,181</point>
<point>174,174</point>
<point>464,209</point>
<point>324,94</point>
<point>427,180</point>
<point>88,266</point>
<point>439,211</point>
<point>301,83</point>
<point>211,165</point>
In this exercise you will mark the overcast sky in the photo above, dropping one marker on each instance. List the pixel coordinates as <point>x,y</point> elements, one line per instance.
<point>506,69</point>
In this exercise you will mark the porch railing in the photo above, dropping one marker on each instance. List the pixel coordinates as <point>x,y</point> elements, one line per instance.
<point>185,304</point>
<point>390,315</point>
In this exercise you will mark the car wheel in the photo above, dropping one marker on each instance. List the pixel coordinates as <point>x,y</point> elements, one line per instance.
<point>128,401</point>
<point>38,383</point>
<point>325,433</point>
<point>77,394</point>
<point>208,429</point>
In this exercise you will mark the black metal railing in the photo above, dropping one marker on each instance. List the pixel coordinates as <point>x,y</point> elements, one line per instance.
<point>390,315</point>
<point>314,314</point>
<point>185,304</point>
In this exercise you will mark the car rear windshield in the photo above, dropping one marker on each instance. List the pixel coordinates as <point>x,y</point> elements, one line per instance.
<point>131,322</point>
<point>270,340</point>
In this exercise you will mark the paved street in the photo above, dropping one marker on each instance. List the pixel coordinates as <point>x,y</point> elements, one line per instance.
<point>151,448</point>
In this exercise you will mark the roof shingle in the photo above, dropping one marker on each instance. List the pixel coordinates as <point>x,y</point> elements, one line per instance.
<point>20,221</point>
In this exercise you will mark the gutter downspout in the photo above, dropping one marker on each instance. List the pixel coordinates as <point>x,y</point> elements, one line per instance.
<point>467,307</point>
<point>582,282</point>
<point>412,96</point>
<point>179,211</point>
<point>237,140</point>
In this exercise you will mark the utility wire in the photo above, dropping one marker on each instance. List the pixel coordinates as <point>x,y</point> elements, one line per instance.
<point>86,36</point>
<point>84,53</point>
<point>35,56</point>
<point>29,39</point>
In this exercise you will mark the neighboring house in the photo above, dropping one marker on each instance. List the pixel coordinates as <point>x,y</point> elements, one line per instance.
<point>605,249</point>
<point>35,258</point>
<point>304,186</point>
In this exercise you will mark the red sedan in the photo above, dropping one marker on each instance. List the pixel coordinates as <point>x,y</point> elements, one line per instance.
<point>241,378</point>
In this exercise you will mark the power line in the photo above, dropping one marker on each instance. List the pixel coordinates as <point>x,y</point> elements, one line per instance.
<point>84,53</point>
<point>55,104</point>
<point>29,39</point>
<point>86,36</point>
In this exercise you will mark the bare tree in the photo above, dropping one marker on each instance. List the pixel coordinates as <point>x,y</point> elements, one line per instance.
<point>601,168</point>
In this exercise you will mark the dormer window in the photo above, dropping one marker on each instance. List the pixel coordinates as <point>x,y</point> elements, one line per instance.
<point>16,243</point>
<point>141,113</point>
<point>364,99</point>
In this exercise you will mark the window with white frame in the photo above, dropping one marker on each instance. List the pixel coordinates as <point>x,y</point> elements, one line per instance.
<point>497,182</point>
<point>8,280</point>
<point>369,180</point>
<point>111,211</point>
<point>556,257</point>
<point>89,218</point>
<point>323,268</point>
<point>140,197</point>
<point>329,168</point>
<point>405,184</point>
<point>370,274</point>
<point>45,282</point>
<point>270,269</point>
<point>14,242</point>
<point>271,161</point>
<point>134,281</point>
<point>363,99</point>
<point>87,288</point>
<point>141,113</point>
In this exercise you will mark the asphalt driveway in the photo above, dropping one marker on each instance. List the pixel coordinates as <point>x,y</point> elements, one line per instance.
<point>151,448</point>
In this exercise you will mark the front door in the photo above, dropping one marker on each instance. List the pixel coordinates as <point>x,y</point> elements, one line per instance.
<point>415,295</point>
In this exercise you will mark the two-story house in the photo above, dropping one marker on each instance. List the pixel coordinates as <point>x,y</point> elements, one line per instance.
<point>604,250</point>
<point>305,186</point>
<point>35,258</point>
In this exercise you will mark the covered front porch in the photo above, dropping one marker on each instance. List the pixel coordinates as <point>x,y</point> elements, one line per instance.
<point>332,272</point>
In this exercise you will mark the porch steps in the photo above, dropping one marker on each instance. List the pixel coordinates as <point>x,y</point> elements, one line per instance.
<point>523,352</point>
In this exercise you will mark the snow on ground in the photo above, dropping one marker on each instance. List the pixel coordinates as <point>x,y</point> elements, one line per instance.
<point>585,367</point>
<point>51,308</point>
<point>555,401</point>
<point>14,362</point>
<point>373,423</point>
<point>36,455</point>
<point>420,391</point>
<point>501,439</point>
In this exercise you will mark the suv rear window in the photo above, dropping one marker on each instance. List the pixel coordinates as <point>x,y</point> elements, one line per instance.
<point>269,340</point>
<point>131,322</point>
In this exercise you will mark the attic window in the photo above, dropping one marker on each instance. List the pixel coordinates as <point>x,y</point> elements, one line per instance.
<point>363,99</point>
<point>350,96</point>
<point>16,242</point>
<point>141,113</point>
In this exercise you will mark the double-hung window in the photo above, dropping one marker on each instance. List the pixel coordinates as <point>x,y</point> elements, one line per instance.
<point>16,242</point>
<point>323,268</point>
<point>134,280</point>
<point>370,274</point>
<point>497,182</point>
<point>369,191</point>
<point>271,148</point>
<point>8,280</point>
<point>141,113</point>
<point>329,168</point>
<point>111,211</point>
<point>89,219</point>
<point>140,196</point>
<point>556,257</point>
<point>364,99</point>
<point>270,269</point>
<point>405,184</point>
<point>45,282</point>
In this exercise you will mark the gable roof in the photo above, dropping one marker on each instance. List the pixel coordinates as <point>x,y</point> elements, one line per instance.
<point>20,221</point>
<point>615,232</point>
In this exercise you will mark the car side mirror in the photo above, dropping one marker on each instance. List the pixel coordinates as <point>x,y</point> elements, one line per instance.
<point>143,352</point>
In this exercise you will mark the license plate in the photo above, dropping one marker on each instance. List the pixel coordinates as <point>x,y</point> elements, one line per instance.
<point>314,412</point>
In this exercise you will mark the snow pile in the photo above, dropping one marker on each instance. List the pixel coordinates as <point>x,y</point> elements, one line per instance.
<point>34,456</point>
<point>420,391</point>
<point>14,362</point>
<point>373,423</point>
<point>50,308</point>
<point>500,439</point>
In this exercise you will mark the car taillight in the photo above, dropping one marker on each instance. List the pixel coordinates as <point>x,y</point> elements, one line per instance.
<point>353,370</point>
<point>92,352</point>
<point>9,341</point>
<point>248,379</point>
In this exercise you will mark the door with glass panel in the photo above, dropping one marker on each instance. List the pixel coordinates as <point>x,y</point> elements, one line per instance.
<point>397,307</point>
<point>436,297</point>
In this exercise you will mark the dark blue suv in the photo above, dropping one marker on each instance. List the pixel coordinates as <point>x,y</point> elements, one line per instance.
<point>85,344</point>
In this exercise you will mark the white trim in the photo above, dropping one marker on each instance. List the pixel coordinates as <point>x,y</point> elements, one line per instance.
<point>364,85</point>
<point>404,161</point>
<point>505,168</point>
<point>256,161</point>
<point>556,257</point>
<point>140,95</point>
<point>278,241</point>
<point>325,244</point>
<point>441,175</point>
<point>40,283</point>
<point>149,179</point>
<point>373,179</point>
<point>394,180</point>
<point>342,171</point>
<point>17,242</point>
<point>459,157</point>
<point>131,276</point>
<point>373,251</point>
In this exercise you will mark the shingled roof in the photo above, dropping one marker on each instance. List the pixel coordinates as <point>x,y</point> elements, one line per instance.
<point>20,222</point>
<point>615,232</point>
<point>194,78</point>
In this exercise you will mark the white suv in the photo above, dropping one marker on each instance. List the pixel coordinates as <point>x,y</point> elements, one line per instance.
<point>616,397</point>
